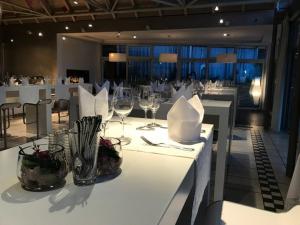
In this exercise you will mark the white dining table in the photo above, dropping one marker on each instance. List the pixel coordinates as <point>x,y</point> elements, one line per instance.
<point>221,109</point>
<point>152,188</point>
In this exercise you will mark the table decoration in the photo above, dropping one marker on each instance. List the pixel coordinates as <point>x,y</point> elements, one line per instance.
<point>41,168</point>
<point>84,144</point>
<point>109,157</point>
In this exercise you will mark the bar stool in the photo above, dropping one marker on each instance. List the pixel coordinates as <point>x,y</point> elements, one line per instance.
<point>5,121</point>
<point>36,105</point>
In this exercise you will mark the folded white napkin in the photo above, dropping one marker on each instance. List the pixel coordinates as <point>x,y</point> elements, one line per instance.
<point>90,105</point>
<point>105,85</point>
<point>183,91</point>
<point>185,120</point>
<point>25,81</point>
<point>97,87</point>
<point>67,80</point>
<point>116,86</point>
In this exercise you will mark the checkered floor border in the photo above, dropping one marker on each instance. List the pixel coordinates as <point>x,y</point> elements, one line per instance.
<point>271,195</point>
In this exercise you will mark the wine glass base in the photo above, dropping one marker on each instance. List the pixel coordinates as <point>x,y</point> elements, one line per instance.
<point>154,125</point>
<point>125,140</point>
<point>145,127</point>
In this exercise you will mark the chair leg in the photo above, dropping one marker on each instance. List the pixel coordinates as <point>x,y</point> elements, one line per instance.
<point>37,122</point>
<point>1,124</point>
<point>4,128</point>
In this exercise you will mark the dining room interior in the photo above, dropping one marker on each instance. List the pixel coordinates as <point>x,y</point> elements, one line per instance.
<point>132,112</point>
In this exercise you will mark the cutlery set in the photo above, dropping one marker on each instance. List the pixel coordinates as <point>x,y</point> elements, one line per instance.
<point>84,148</point>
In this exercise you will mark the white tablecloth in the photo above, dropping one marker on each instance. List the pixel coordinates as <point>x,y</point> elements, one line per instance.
<point>201,154</point>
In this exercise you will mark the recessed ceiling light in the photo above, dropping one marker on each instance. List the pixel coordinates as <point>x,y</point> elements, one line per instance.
<point>226,35</point>
<point>40,34</point>
<point>64,38</point>
<point>12,40</point>
<point>29,32</point>
<point>67,28</point>
<point>90,25</point>
<point>75,2</point>
<point>216,8</point>
<point>134,36</point>
<point>221,21</point>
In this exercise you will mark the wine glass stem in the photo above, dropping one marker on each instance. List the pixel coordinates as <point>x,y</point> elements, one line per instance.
<point>122,118</point>
<point>145,114</point>
<point>153,118</point>
<point>104,128</point>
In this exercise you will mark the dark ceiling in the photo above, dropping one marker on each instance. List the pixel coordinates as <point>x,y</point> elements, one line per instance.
<point>39,11</point>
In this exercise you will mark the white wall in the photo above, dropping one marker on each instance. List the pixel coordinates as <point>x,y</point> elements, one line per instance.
<point>79,55</point>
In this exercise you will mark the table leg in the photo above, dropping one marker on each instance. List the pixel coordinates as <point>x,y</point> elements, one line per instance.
<point>221,156</point>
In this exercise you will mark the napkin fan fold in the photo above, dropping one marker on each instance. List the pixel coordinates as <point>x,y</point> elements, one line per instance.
<point>90,105</point>
<point>185,120</point>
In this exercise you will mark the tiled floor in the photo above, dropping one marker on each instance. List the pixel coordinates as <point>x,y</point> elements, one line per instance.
<point>242,183</point>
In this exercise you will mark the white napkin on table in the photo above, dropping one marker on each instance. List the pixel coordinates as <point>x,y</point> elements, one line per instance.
<point>178,94</point>
<point>117,86</point>
<point>90,105</point>
<point>25,81</point>
<point>106,85</point>
<point>67,81</point>
<point>183,91</point>
<point>185,120</point>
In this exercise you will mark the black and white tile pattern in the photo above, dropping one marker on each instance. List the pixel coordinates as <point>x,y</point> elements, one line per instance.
<point>272,198</point>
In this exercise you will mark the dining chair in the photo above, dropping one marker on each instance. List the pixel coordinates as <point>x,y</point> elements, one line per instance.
<point>36,105</point>
<point>5,118</point>
<point>229,213</point>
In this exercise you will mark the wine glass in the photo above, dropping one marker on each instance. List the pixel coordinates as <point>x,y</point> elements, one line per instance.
<point>110,113</point>
<point>155,104</point>
<point>123,104</point>
<point>144,98</point>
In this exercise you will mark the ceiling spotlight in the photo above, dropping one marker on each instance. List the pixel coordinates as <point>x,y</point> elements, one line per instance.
<point>226,35</point>
<point>134,36</point>
<point>12,40</point>
<point>221,21</point>
<point>216,8</point>
<point>90,25</point>
<point>29,32</point>
<point>75,2</point>
<point>40,34</point>
<point>67,28</point>
<point>64,38</point>
<point>118,34</point>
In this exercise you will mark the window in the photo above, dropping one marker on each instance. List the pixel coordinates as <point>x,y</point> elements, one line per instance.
<point>106,49</point>
<point>197,70</point>
<point>143,51</point>
<point>139,71</point>
<point>164,70</point>
<point>114,71</point>
<point>163,49</point>
<point>247,53</point>
<point>214,52</point>
<point>246,72</point>
<point>189,52</point>
<point>220,71</point>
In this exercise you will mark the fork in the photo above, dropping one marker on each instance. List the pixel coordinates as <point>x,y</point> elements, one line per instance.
<point>161,144</point>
